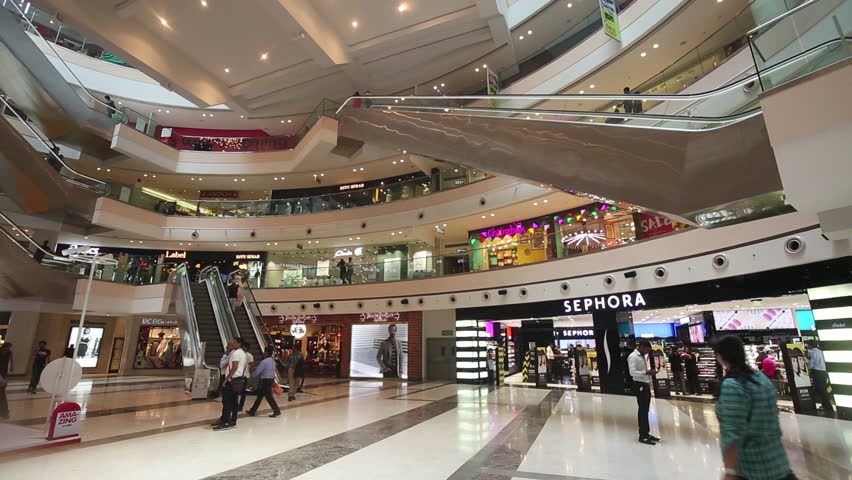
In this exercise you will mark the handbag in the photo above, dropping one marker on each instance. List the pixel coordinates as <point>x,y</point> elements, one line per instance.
<point>277,389</point>
<point>238,384</point>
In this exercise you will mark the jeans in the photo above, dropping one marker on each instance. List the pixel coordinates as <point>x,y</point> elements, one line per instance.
<point>230,404</point>
<point>677,381</point>
<point>265,391</point>
<point>35,377</point>
<point>643,399</point>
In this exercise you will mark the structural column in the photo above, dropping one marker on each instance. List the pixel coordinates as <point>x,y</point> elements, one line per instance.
<point>832,307</point>
<point>609,353</point>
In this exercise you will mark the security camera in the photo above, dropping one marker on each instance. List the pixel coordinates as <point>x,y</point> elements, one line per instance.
<point>194,235</point>
<point>482,201</point>
<point>253,234</point>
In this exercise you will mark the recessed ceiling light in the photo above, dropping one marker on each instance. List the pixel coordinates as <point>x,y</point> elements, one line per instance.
<point>529,32</point>
<point>289,121</point>
<point>535,204</point>
<point>476,69</point>
<point>484,66</point>
<point>242,179</point>
<point>276,178</point>
<point>582,92</point>
<point>282,121</point>
<point>203,3</point>
<point>444,225</point>
<point>643,54</point>
<point>164,22</point>
<point>492,214</point>
<point>357,238</point>
<point>242,116</point>
<point>405,151</point>
<point>656,45</point>
<point>442,85</point>
<point>401,161</point>
<point>354,23</point>
<point>203,114</point>
<point>99,169</point>
<point>160,110</point>
<point>362,169</point>
<point>521,37</point>
<point>354,169</point>
<point>264,56</point>
<point>236,180</point>
<point>227,70</point>
<point>570,5</point>
<point>483,216</point>
<point>211,115</point>
<point>402,7</point>
<point>545,201</point>
<point>168,111</point>
<point>592,86</point>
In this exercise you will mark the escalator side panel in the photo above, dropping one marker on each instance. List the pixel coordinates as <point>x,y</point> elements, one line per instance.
<point>32,183</point>
<point>663,170</point>
<point>21,276</point>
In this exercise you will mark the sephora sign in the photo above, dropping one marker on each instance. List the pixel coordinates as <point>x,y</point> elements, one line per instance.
<point>619,301</point>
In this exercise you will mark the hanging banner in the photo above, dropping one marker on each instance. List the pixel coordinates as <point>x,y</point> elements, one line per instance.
<point>798,377</point>
<point>492,80</point>
<point>609,13</point>
<point>662,385</point>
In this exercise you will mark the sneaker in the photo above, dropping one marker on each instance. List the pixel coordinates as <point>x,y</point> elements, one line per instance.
<point>653,438</point>
<point>646,441</point>
<point>276,414</point>
<point>224,426</point>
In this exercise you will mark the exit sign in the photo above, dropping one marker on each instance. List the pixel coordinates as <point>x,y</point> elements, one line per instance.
<point>447,333</point>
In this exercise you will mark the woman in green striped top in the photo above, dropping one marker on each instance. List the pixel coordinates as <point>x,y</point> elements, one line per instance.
<point>748,419</point>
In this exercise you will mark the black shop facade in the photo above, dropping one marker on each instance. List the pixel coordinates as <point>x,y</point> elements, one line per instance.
<point>610,330</point>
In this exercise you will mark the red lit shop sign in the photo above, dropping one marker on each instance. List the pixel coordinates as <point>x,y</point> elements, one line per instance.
<point>351,186</point>
<point>513,229</point>
<point>621,301</point>
<point>653,225</point>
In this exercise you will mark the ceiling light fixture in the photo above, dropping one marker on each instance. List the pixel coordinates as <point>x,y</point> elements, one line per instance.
<point>521,37</point>
<point>529,32</point>
<point>289,121</point>
<point>484,66</point>
<point>354,23</point>
<point>203,3</point>
<point>282,121</point>
<point>643,54</point>
<point>592,86</point>
<point>582,92</point>
<point>242,116</point>
<point>227,70</point>
<point>264,56</point>
<point>570,5</point>
<point>168,111</point>
<point>476,69</point>
<point>164,22</point>
<point>402,7</point>
<point>656,45</point>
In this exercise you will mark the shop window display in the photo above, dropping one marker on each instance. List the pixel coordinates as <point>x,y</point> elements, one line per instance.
<point>158,347</point>
<point>90,345</point>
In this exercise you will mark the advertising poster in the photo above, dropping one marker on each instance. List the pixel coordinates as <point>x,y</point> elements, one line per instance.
<point>798,376</point>
<point>90,345</point>
<point>662,385</point>
<point>379,350</point>
<point>541,367</point>
<point>581,361</point>
<point>609,14</point>
<point>594,374</point>
<point>765,319</point>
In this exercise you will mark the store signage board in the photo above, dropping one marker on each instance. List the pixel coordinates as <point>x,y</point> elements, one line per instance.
<point>609,14</point>
<point>576,333</point>
<point>513,229</point>
<point>653,225</point>
<point>159,322</point>
<point>380,317</point>
<point>285,319</point>
<point>247,256</point>
<point>298,330</point>
<point>231,194</point>
<point>620,301</point>
<point>353,186</point>
<point>798,377</point>
<point>175,254</point>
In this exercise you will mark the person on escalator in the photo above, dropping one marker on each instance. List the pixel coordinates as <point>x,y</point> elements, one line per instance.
<point>233,294</point>
<point>38,255</point>
<point>112,110</point>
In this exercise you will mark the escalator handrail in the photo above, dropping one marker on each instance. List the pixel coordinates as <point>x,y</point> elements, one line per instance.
<point>48,147</point>
<point>182,276</point>
<point>219,299</point>
<point>259,331</point>
<point>784,15</point>
<point>47,253</point>
<point>605,97</point>
<point>67,67</point>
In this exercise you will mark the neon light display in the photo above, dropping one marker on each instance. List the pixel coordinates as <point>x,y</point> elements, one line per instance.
<point>514,229</point>
<point>589,237</point>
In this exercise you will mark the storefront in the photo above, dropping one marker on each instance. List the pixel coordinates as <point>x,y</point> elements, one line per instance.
<point>770,311</point>
<point>595,226</point>
<point>382,263</point>
<point>135,266</point>
<point>252,264</point>
<point>347,345</point>
<point>157,344</point>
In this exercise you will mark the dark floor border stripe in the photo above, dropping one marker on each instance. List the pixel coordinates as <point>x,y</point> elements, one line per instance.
<point>501,474</point>
<point>42,394</point>
<point>295,462</point>
<point>520,433</point>
<point>399,397</point>
<point>114,411</point>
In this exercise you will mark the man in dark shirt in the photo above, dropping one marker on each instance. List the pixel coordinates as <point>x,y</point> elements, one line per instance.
<point>112,110</point>
<point>38,255</point>
<point>41,357</point>
<point>5,366</point>
<point>677,370</point>
<point>389,357</point>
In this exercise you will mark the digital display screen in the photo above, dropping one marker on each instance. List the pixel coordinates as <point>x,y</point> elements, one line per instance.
<point>379,350</point>
<point>696,333</point>
<point>767,319</point>
<point>90,345</point>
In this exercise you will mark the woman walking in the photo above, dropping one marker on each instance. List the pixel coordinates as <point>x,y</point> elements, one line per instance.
<point>748,419</point>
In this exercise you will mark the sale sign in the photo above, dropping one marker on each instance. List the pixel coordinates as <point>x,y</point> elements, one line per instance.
<point>653,225</point>
<point>65,421</point>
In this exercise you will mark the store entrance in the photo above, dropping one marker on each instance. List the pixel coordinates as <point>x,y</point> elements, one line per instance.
<point>319,344</point>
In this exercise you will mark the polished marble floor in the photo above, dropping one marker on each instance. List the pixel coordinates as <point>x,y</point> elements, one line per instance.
<point>142,428</point>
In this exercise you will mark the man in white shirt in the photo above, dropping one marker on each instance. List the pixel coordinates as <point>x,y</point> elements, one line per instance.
<point>642,377</point>
<point>233,384</point>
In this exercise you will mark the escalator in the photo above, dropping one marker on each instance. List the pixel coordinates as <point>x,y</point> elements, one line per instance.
<point>21,276</point>
<point>64,112</point>
<point>208,328</point>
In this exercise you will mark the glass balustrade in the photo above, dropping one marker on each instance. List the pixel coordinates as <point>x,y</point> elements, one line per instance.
<point>448,179</point>
<point>388,264</point>
<point>818,33</point>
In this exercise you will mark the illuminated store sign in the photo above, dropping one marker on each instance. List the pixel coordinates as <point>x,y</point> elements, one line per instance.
<point>282,319</point>
<point>353,186</point>
<point>298,330</point>
<point>175,254</point>
<point>345,252</point>
<point>604,302</point>
<point>159,322</point>
<point>247,256</point>
<point>576,333</point>
<point>513,229</point>
<point>380,317</point>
